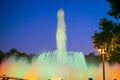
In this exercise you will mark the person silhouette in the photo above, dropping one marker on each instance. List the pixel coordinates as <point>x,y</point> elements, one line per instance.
<point>7,78</point>
<point>4,78</point>
<point>90,79</point>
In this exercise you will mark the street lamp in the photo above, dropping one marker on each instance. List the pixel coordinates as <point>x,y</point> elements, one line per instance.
<point>102,52</point>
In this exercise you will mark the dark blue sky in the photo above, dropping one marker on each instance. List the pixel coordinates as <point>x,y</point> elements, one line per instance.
<point>30,25</point>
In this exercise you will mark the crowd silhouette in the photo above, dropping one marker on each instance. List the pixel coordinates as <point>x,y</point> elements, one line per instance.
<point>4,77</point>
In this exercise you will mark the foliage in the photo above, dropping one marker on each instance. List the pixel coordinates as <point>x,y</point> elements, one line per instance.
<point>108,38</point>
<point>18,55</point>
<point>114,8</point>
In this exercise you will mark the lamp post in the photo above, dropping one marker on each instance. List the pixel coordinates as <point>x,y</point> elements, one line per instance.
<point>102,52</point>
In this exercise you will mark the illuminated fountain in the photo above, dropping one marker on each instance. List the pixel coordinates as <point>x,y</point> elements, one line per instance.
<point>58,64</point>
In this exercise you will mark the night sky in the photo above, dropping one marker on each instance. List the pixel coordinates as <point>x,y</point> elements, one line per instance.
<point>30,25</point>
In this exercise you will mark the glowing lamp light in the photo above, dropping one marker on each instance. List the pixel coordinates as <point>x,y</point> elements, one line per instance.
<point>99,51</point>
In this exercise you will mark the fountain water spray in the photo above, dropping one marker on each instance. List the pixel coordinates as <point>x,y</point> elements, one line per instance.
<point>61,32</point>
<point>61,35</point>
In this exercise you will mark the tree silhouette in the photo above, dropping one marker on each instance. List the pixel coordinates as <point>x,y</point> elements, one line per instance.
<point>108,38</point>
<point>17,55</point>
<point>114,8</point>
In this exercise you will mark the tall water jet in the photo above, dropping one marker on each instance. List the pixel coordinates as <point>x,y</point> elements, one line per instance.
<point>61,31</point>
<point>61,35</point>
